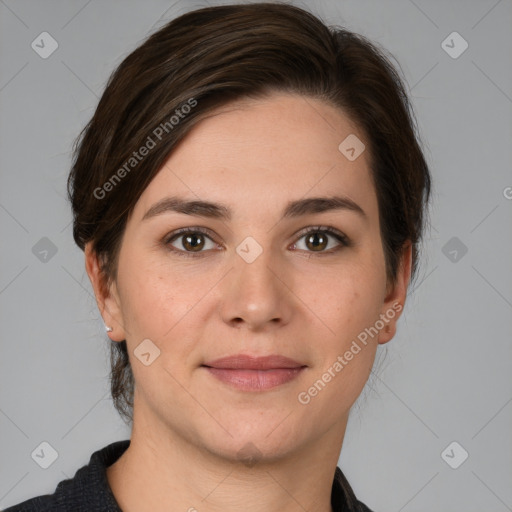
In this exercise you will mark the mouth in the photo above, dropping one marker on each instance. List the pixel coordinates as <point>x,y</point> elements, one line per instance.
<point>249,373</point>
<point>246,362</point>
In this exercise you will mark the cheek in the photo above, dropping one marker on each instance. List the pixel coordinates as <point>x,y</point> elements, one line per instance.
<point>159,306</point>
<point>347,301</point>
<point>344,356</point>
<point>155,297</point>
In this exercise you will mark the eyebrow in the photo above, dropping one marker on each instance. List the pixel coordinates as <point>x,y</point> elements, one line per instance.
<point>222,212</point>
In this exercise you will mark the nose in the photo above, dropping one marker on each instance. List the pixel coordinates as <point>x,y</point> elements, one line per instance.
<point>257,294</point>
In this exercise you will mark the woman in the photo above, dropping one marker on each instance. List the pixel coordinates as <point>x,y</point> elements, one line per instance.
<point>250,195</point>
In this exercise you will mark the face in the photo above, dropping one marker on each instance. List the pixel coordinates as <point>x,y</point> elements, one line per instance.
<point>266,272</point>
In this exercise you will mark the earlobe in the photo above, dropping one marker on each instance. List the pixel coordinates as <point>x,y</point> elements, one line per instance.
<point>396,296</point>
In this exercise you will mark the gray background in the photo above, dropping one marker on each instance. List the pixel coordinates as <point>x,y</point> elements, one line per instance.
<point>445,377</point>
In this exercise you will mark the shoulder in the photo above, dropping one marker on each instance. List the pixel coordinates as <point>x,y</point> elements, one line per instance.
<point>363,507</point>
<point>87,491</point>
<point>44,503</point>
<point>343,498</point>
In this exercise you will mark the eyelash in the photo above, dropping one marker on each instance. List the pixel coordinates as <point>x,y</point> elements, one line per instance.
<point>338,235</point>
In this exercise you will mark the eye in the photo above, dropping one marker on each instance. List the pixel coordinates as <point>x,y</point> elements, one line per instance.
<point>316,239</point>
<point>193,242</point>
<point>189,241</point>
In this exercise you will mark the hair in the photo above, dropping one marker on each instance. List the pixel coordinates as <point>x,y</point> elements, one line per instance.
<point>207,58</point>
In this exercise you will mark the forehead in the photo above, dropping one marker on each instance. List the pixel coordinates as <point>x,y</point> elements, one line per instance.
<point>260,153</point>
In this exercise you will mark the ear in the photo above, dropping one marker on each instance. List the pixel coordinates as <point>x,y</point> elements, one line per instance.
<point>107,297</point>
<point>395,296</point>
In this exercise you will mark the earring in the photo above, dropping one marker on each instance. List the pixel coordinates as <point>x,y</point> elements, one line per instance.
<point>108,329</point>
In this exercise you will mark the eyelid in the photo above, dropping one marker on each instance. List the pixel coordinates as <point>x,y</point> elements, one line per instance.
<point>170,237</point>
<point>328,229</point>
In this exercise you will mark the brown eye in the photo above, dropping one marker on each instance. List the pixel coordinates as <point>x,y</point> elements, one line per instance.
<point>316,241</point>
<point>189,242</point>
<point>319,240</point>
<point>193,242</point>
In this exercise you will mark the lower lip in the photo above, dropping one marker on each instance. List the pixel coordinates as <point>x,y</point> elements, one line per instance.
<point>255,380</point>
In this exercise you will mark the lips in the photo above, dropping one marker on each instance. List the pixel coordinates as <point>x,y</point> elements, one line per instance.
<point>245,362</point>
<point>247,373</point>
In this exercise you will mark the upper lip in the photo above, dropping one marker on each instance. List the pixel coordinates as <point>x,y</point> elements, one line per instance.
<point>246,362</point>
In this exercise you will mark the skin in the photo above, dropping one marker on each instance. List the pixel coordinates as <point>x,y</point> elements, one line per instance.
<point>254,156</point>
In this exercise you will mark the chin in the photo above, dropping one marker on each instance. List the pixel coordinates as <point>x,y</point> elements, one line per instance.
<point>251,441</point>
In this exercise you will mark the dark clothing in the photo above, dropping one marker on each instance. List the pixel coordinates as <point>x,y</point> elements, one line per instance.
<point>89,490</point>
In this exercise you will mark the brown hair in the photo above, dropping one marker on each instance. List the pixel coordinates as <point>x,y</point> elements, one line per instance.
<point>206,58</point>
